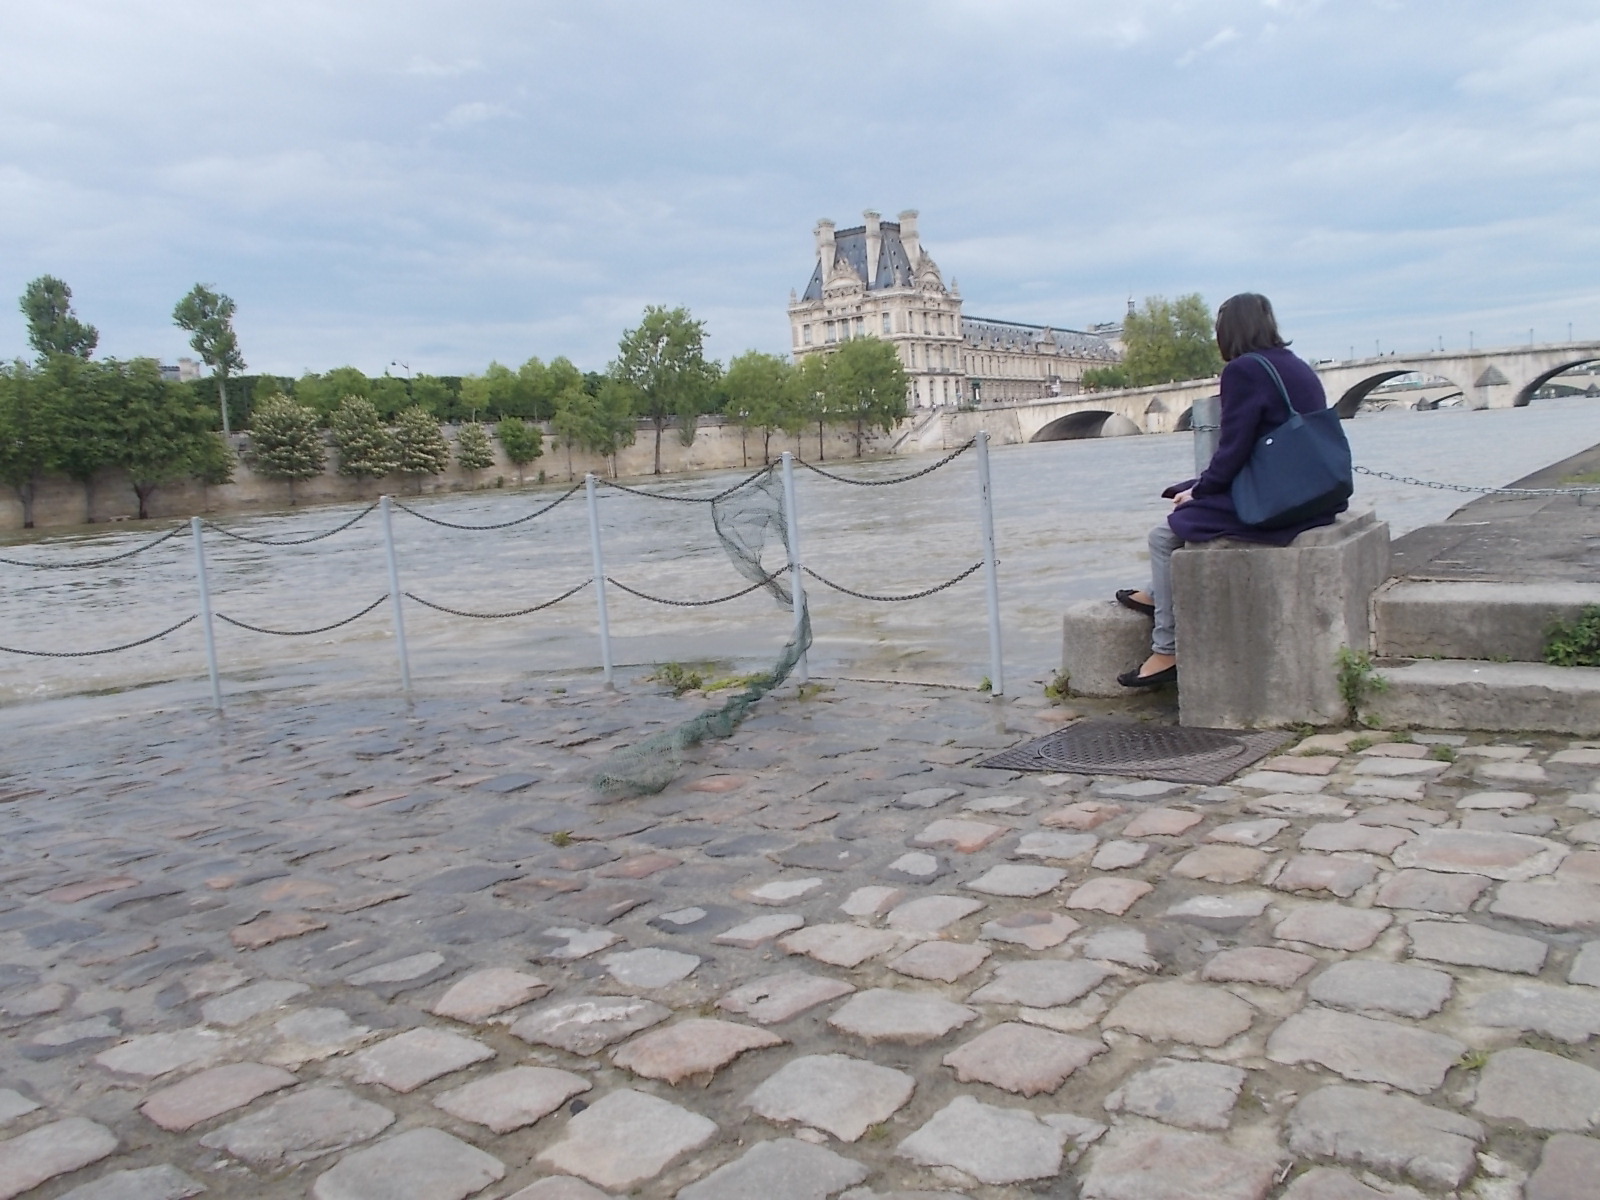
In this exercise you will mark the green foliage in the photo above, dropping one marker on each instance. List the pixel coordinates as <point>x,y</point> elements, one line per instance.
<point>521,441</point>
<point>1170,340</point>
<point>1058,688</point>
<point>285,441</point>
<point>30,444</point>
<point>1575,644</point>
<point>83,398</point>
<point>437,396</point>
<point>364,448</point>
<point>676,676</point>
<point>52,326</point>
<point>420,448</point>
<point>208,317</point>
<point>662,364</point>
<point>162,434</point>
<point>1098,379</point>
<point>865,386</point>
<point>473,450</point>
<point>986,684</point>
<point>1357,745</point>
<point>806,401</point>
<point>601,423</point>
<point>1357,679</point>
<point>753,392</point>
<point>214,460</point>
<point>1442,753</point>
<point>561,837</point>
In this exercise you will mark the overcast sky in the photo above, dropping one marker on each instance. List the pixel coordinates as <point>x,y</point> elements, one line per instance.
<point>441,184</point>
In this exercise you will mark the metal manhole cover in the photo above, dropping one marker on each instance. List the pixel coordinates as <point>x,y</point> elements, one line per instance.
<point>1168,752</point>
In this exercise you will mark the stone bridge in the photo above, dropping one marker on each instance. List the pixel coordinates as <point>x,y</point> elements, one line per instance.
<point>1503,378</point>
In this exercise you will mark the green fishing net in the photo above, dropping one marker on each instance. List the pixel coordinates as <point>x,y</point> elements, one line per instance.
<point>750,524</point>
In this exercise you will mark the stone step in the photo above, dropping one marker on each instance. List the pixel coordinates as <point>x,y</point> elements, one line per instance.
<point>1469,694</point>
<point>1461,620</point>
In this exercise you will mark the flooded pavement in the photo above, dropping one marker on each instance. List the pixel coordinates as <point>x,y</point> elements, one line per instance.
<point>341,947</point>
<point>1071,519</point>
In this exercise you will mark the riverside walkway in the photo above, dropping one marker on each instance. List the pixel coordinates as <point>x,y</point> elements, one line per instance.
<point>357,950</point>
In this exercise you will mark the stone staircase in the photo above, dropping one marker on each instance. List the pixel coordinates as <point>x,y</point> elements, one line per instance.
<point>1458,654</point>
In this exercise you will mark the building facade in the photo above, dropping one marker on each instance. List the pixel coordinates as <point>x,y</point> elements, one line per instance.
<point>876,280</point>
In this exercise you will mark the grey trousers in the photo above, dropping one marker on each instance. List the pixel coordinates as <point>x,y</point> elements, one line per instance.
<point>1164,637</point>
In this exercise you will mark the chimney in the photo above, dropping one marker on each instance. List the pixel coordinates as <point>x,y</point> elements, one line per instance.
<point>873,242</point>
<point>908,236</point>
<point>825,245</point>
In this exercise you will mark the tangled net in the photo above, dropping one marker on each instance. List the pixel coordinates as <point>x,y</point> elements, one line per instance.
<point>748,523</point>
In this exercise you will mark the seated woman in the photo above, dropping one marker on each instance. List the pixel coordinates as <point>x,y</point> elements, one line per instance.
<point>1203,508</point>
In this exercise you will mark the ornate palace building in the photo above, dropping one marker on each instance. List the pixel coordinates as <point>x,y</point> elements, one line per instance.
<point>876,280</point>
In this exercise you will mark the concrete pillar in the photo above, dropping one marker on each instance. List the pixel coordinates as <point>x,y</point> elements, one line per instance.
<point>1260,627</point>
<point>825,246</point>
<point>1100,640</point>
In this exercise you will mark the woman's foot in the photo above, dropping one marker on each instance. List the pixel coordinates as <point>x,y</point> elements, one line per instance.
<point>1139,601</point>
<point>1157,670</point>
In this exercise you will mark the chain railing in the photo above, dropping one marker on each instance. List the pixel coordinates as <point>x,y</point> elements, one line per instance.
<point>305,541</point>
<point>793,567</point>
<point>1473,489</point>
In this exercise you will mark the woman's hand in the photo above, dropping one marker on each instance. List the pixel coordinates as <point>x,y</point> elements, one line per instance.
<point>1182,498</point>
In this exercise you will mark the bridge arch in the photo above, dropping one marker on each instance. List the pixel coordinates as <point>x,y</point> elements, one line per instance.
<point>1525,393</point>
<point>1351,400</point>
<point>1185,422</point>
<point>1092,423</point>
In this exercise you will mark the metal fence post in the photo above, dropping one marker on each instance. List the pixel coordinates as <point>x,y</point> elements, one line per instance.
<point>797,584</point>
<point>599,576</point>
<point>205,613</point>
<point>1205,418</point>
<point>991,575</point>
<point>394,595</point>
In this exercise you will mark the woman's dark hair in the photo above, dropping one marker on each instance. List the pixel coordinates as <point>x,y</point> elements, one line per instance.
<point>1245,323</point>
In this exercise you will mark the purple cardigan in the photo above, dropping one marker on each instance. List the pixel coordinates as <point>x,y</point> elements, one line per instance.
<point>1251,407</point>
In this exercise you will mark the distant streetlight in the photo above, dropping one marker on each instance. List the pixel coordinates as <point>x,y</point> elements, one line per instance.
<point>406,367</point>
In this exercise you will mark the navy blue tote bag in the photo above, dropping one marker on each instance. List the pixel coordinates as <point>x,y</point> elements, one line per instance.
<point>1298,471</point>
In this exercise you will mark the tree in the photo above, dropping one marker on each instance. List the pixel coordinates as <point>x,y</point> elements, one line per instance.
<point>498,392</point>
<point>663,363</point>
<point>753,389</point>
<point>435,395</point>
<point>324,393</point>
<point>1097,379</point>
<point>208,316</point>
<point>29,434</point>
<point>473,449</point>
<point>420,448</point>
<point>213,463</point>
<point>807,398</point>
<point>52,326</point>
<point>601,422</point>
<point>285,442</point>
<point>161,433</point>
<point>1170,340</point>
<point>866,386</point>
<point>84,397</point>
<point>521,441</point>
<point>363,446</point>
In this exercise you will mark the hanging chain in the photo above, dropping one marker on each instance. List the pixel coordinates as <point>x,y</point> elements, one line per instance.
<point>722,495</point>
<point>108,650</point>
<point>1467,487</point>
<point>302,632</point>
<point>563,498</point>
<point>948,458</point>
<point>97,562</point>
<point>521,612</point>
<point>305,541</point>
<point>760,583</point>
<point>894,599</point>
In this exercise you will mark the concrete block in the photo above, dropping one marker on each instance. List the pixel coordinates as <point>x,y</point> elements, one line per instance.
<point>1260,627</point>
<point>1100,640</point>
<point>1489,695</point>
<point>1429,619</point>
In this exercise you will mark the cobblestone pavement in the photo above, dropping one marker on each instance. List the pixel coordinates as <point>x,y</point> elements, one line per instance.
<point>363,952</point>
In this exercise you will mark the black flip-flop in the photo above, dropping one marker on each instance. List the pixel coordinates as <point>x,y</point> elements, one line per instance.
<point>1133,679</point>
<point>1125,598</point>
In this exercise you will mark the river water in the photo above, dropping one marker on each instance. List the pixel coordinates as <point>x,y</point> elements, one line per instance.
<point>1070,521</point>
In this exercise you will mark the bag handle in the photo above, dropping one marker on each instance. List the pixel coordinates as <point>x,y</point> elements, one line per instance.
<point>1277,379</point>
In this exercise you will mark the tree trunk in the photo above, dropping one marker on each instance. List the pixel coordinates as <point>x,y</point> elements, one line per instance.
<point>222,398</point>
<point>25,496</point>
<point>660,424</point>
<point>144,491</point>
<point>821,455</point>
<point>570,475</point>
<point>291,493</point>
<point>859,436</point>
<point>744,449</point>
<point>766,446</point>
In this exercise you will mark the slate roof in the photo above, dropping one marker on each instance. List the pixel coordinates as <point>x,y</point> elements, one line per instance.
<point>983,333</point>
<point>893,268</point>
